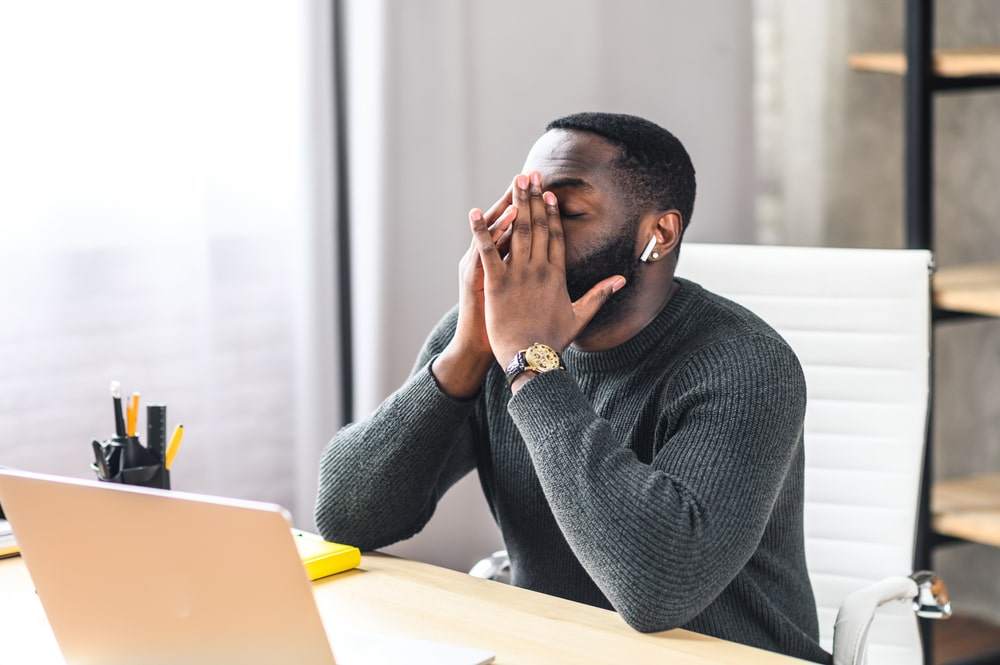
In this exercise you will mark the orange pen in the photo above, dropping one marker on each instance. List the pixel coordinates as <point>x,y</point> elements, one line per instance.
<point>132,414</point>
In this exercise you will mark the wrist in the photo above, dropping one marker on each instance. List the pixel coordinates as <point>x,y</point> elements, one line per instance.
<point>460,373</point>
<point>520,380</point>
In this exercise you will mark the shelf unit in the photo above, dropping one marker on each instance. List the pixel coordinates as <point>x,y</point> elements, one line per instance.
<point>950,63</point>
<point>967,509</point>
<point>972,289</point>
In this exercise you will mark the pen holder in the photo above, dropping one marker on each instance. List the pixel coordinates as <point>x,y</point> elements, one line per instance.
<point>127,461</point>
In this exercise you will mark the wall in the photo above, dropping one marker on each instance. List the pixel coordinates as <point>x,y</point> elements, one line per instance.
<point>463,89</point>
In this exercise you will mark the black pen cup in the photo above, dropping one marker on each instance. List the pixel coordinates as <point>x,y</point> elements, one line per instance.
<point>128,462</point>
<point>154,475</point>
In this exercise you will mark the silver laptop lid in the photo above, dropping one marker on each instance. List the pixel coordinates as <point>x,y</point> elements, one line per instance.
<point>132,575</point>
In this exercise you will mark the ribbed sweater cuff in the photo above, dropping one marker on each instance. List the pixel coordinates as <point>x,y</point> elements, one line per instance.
<point>544,401</point>
<point>422,394</point>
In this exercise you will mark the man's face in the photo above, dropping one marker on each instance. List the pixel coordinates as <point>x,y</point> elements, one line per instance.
<point>600,234</point>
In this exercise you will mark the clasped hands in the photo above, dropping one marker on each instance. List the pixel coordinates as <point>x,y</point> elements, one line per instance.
<point>513,287</point>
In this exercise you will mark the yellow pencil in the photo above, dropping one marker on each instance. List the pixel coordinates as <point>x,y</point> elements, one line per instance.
<point>175,443</point>
<point>132,414</point>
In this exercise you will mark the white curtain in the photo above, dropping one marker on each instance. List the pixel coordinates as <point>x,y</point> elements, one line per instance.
<point>165,221</point>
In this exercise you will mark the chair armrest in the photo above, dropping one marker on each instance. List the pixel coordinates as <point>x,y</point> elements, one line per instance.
<point>850,633</point>
<point>494,567</point>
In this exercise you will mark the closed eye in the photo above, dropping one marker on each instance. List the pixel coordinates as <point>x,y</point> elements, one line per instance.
<point>566,214</point>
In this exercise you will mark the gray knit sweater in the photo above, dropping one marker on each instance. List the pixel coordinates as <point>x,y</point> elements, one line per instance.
<point>661,478</point>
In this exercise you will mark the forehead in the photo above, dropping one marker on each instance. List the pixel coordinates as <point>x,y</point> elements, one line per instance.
<point>564,154</point>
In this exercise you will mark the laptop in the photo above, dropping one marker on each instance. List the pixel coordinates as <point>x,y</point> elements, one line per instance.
<point>132,575</point>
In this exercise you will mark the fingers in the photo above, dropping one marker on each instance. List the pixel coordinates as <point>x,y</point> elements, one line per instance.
<point>483,241</point>
<point>586,307</point>
<point>520,222</point>
<point>499,230</point>
<point>502,223</point>
<point>503,243</point>
<point>557,246</point>
<point>539,221</point>
<point>499,207</point>
<point>520,242</point>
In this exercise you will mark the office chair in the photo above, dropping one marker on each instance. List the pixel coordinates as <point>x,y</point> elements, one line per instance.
<point>859,321</point>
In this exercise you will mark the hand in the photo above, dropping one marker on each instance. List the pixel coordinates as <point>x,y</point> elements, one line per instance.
<point>462,365</point>
<point>526,300</point>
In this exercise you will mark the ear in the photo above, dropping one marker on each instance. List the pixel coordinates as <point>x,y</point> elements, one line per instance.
<point>665,228</point>
<point>669,226</point>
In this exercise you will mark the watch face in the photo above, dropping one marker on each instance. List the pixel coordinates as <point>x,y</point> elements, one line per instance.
<point>542,358</point>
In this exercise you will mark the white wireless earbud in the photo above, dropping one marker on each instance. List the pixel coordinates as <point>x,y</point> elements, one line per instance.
<point>648,252</point>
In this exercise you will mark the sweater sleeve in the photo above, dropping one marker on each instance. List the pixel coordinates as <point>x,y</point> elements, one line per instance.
<point>663,540</point>
<point>380,479</point>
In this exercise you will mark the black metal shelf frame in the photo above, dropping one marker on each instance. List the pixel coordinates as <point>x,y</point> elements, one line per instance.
<point>920,84</point>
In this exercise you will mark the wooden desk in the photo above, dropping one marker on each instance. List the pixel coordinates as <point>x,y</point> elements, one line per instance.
<point>394,596</point>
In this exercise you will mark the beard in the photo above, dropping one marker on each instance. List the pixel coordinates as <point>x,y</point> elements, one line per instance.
<point>617,257</point>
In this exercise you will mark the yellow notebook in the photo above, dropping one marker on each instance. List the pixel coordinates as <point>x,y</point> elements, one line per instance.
<point>322,558</point>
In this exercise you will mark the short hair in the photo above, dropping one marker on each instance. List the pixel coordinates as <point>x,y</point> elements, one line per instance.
<point>656,171</point>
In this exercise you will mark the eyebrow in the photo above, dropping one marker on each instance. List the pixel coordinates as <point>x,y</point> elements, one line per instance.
<point>575,183</point>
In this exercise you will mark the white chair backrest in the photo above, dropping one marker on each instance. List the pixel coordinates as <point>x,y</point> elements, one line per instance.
<point>859,321</point>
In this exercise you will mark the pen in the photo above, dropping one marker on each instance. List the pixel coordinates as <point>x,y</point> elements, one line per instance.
<point>116,396</point>
<point>175,443</point>
<point>132,414</point>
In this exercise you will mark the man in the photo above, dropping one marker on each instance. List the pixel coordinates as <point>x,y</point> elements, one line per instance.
<point>639,439</point>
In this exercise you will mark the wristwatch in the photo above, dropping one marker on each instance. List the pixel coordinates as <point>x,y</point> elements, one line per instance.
<point>536,358</point>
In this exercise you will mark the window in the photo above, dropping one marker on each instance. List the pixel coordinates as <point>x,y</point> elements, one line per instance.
<point>157,226</point>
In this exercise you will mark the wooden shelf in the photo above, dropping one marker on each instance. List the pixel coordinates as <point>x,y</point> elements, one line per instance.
<point>972,289</point>
<point>968,508</point>
<point>984,61</point>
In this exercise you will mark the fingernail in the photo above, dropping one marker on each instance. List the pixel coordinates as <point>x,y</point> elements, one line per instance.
<point>617,285</point>
<point>550,198</point>
<point>522,182</point>
<point>536,178</point>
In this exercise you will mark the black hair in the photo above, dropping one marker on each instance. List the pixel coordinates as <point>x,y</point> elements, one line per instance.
<point>656,171</point>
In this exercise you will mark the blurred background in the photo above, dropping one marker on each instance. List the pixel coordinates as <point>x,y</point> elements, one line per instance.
<point>175,212</point>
